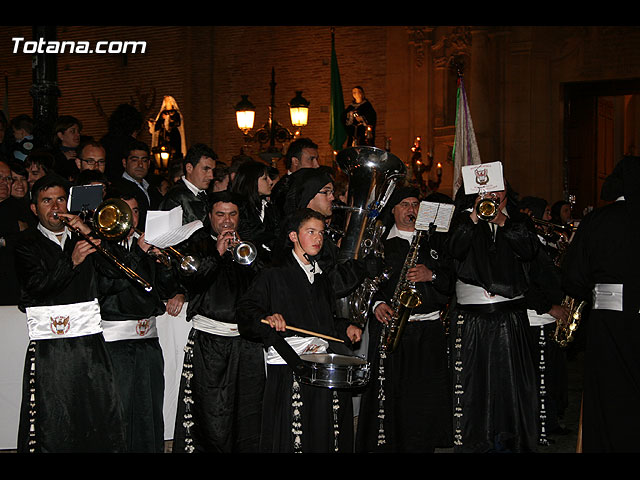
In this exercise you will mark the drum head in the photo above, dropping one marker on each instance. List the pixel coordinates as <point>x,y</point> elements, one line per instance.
<point>330,370</point>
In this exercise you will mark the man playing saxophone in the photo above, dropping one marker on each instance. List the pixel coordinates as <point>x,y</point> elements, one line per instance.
<point>416,407</point>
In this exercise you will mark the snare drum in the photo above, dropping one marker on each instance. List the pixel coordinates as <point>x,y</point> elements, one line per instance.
<point>331,370</point>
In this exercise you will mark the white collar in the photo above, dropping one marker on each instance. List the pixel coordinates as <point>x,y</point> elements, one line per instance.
<point>309,270</point>
<point>144,184</point>
<point>396,232</point>
<point>195,190</point>
<point>58,238</point>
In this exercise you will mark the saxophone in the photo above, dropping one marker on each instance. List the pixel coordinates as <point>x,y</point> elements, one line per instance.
<point>565,330</point>
<point>405,298</point>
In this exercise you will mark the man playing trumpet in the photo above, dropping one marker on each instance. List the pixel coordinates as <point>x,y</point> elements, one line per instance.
<point>220,399</point>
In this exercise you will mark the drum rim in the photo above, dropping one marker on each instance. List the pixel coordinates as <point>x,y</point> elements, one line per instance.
<point>354,360</point>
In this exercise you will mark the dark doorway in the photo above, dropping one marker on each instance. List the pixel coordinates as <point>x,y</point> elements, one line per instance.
<point>600,127</point>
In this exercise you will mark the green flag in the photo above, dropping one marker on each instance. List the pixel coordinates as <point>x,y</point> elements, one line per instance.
<point>337,133</point>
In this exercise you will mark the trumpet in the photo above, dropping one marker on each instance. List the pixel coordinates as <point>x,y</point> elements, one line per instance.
<point>112,220</point>
<point>243,252</point>
<point>188,263</point>
<point>488,207</point>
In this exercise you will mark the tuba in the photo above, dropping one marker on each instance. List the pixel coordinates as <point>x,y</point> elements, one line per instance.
<point>566,330</point>
<point>373,174</point>
<point>405,298</point>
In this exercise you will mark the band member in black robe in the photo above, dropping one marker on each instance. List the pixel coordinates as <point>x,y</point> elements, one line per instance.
<point>69,397</point>
<point>220,400</point>
<point>313,188</point>
<point>601,267</point>
<point>407,405</point>
<point>298,417</point>
<point>494,378</point>
<point>129,323</point>
<point>544,308</point>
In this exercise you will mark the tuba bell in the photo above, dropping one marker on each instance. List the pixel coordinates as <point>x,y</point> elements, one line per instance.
<point>373,174</point>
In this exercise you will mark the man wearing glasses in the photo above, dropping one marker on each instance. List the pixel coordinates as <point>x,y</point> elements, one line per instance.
<point>92,156</point>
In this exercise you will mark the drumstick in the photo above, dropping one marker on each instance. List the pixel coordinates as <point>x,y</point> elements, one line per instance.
<point>307,331</point>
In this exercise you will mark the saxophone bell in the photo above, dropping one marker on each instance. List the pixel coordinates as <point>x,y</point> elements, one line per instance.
<point>405,298</point>
<point>565,330</point>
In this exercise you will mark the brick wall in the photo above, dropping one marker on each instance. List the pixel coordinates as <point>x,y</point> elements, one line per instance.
<point>206,69</point>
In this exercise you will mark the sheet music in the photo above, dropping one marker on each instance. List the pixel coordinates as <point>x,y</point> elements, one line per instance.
<point>439,214</point>
<point>164,228</point>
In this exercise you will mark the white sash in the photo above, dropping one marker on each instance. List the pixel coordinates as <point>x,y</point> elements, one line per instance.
<point>536,319</point>
<point>473,295</point>
<point>129,329</point>
<point>48,322</point>
<point>421,317</point>
<point>301,345</point>
<point>607,296</point>
<point>215,327</point>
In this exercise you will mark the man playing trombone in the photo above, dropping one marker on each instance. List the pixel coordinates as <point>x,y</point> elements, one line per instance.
<point>129,322</point>
<point>220,398</point>
<point>69,401</point>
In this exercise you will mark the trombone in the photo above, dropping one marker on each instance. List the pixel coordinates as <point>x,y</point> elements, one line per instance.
<point>112,220</point>
<point>188,263</point>
<point>555,226</point>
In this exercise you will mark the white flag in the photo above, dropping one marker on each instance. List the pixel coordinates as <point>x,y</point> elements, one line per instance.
<point>465,148</point>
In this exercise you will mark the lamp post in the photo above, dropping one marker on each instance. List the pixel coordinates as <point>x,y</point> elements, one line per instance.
<point>271,132</point>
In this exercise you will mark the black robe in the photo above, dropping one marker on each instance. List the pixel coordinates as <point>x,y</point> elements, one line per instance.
<point>545,290</point>
<point>494,378</point>
<point>285,289</point>
<point>262,233</point>
<point>220,400</point>
<point>416,385</point>
<point>605,250</point>
<point>77,408</point>
<point>123,185</point>
<point>138,364</point>
<point>357,131</point>
<point>194,207</point>
<point>9,231</point>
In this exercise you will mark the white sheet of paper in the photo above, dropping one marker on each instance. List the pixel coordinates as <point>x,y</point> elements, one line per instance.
<point>439,214</point>
<point>485,177</point>
<point>164,228</point>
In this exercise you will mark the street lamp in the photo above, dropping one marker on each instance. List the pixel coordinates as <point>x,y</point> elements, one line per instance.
<point>162,156</point>
<point>271,132</point>
<point>299,109</point>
